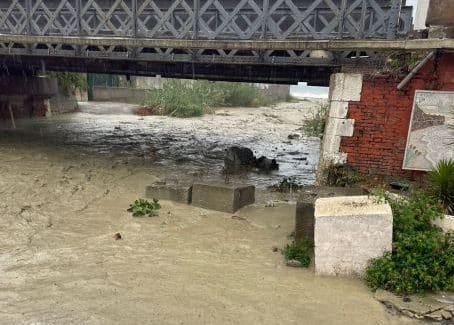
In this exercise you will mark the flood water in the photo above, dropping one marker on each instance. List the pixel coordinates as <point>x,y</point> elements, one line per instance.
<point>65,186</point>
<point>181,148</point>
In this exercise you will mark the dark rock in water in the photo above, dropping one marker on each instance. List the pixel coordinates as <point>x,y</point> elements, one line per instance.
<point>266,164</point>
<point>236,158</point>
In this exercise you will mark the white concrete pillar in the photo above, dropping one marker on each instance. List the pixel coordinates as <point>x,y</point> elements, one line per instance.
<point>344,88</point>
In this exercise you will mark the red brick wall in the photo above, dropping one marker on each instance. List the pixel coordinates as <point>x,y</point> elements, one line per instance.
<point>382,118</point>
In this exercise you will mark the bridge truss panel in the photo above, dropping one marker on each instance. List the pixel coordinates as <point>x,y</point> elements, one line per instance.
<point>208,19</point>
<point>14,17</point>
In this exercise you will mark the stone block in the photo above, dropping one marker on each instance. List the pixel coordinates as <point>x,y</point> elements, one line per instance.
<point>338,109</point>
<point>349,231</point>
<point>222,197</point>
<point>346,87</point>
<point>171,191</point>
<point>305,207</point>
<point>446,223</point>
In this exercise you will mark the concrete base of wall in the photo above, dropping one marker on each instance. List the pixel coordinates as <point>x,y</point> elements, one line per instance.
<point>28,97</point>
<point>349,231</point>
<point>120,95</point>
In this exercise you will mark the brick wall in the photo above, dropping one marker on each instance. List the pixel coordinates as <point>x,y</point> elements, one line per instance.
<point>382,118</point>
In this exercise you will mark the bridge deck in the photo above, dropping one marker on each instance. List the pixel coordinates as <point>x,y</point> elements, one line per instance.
<point>266,38</point>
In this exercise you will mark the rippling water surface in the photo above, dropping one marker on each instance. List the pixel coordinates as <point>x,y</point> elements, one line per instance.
<point>180,148</point>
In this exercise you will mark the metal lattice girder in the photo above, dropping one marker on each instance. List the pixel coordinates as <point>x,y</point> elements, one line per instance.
<point>13,17</point>
<point>208,19</point>
<point>241,19</point>
<point>54,18</point>
<point>114,18</point>
<point>176,21</point>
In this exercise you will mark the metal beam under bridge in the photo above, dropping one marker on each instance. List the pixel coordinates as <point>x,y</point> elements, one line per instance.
<point>254,40</point>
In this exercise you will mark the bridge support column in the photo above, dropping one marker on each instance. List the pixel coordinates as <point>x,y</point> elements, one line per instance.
<point>26,96</point>
<point>344,88</point>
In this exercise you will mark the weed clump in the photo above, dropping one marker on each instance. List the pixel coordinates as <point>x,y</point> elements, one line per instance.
<point>342,176</point>
<point>422,257</point>
<point>442,184</point>
<point>144,208</point>
<point>300,251</point>
<point>287,185</point>
<point>184,98</point>
<point>315,126</point>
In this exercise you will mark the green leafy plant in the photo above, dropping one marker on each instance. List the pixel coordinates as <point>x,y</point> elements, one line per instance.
<point>286,185</point>
<point>315,126</point>
<point>422,257</point>
<point>69,81</point>
<point>442,184</point>
<point>240,94</point>
<point>143,208</point>
<point>187,98</point>
<point>342,176</point>
<point>300,250</point>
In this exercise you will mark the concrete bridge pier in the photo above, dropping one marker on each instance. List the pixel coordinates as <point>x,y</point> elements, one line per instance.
<point>26,96</point>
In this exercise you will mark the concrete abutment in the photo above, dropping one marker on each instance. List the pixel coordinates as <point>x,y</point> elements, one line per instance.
<point>26,97</point>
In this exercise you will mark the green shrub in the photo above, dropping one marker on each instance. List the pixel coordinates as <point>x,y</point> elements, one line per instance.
<point>315,126</point>
<point>187,98</point>
<point>287,185</point>
<point>184,98</point>
<point>442,184</point>
<point>300,251</point>
<point>422,258</point>
<point>239,94</point>
<point>142,208</point>
<point>342,176</point>
<point>69,81</point>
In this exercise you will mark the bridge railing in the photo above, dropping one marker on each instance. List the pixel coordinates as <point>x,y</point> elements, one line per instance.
<point>208,19</point>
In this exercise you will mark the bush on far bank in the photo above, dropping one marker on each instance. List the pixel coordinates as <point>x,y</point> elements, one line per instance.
<point>184,98</point>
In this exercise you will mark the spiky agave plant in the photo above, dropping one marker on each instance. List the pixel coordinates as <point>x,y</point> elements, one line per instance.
<point>442,183</point>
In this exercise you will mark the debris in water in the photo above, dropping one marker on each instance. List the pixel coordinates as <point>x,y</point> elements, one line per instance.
<point>294,263</point>
<point>238,218</point>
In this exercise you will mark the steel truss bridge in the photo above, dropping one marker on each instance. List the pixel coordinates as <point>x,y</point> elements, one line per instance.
<point>255,40</point>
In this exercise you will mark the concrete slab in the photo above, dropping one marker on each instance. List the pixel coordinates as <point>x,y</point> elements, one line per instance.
<point>446,223</point>
<point>346,87</point>
<point>222,197</point>
<point>169,190</point>
<point>305,207</point>
<point>349,231</point>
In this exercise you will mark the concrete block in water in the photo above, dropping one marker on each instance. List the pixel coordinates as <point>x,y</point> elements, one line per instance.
<point>171,191</point>
<point>224,197</point>
<point>349,231</point>
<point>305,207</point>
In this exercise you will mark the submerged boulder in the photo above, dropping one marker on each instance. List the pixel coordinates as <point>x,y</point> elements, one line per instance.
<point>236,158</point>
<point>266,164</point>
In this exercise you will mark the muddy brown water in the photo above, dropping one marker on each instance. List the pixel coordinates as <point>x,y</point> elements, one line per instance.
<point>61,264</point>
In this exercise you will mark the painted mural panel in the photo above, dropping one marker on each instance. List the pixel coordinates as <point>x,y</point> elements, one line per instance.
<point>431,133</point>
